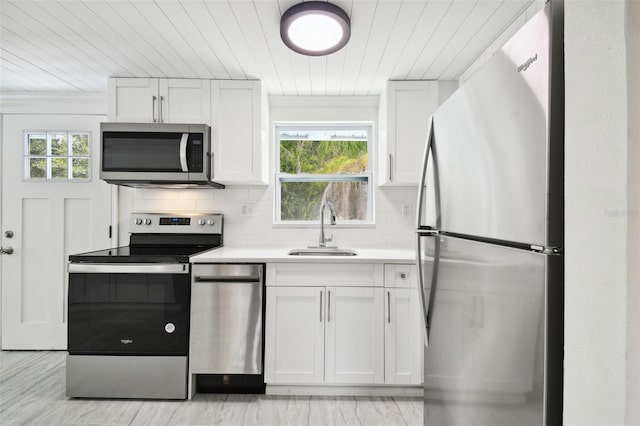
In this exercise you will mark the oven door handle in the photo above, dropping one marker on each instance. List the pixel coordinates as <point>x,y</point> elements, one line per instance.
<point>128,268</point>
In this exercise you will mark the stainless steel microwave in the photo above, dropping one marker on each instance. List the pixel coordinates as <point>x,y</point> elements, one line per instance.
<point>156,155</point>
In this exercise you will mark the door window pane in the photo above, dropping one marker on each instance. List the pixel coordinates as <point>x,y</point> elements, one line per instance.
<point>80,144</point>
<point>59,168</point>
<point>37,168</point>
<point>37,145</point>
<point>80,168</point>
<point>57,156</point>
<point>59,144</point>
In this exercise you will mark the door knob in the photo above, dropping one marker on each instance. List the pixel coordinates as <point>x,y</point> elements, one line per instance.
<point>8,250</point>
<point>8,234</point>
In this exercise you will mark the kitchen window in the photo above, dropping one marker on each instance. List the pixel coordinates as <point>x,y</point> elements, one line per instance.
<point>320,163</point>
<point>57,156</point>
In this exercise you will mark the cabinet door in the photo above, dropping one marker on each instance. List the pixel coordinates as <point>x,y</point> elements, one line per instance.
<point>405,108</point>
<point>185,101</point>
<point>354,335</point>
<point>133,100</point>
<point>294,346</point>
<point>403,337</point>
<point>413,104</point>
<point>237,132</point>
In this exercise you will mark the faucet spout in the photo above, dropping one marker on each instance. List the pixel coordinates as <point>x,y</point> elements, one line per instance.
<point>322,241</point>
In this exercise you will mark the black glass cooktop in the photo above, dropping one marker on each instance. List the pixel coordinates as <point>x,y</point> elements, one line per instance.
<point>153,248</point>
<point>128,254</point>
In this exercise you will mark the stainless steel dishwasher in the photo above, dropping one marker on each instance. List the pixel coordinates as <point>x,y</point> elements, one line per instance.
<point>227,333</point>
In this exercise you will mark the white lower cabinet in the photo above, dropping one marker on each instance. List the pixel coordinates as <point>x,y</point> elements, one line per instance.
<point>354,336</point>
<point>346,324</point>
<point>403,342</point>
<point>318,335</point>
<point>294,341</point>
<point>403,331</point>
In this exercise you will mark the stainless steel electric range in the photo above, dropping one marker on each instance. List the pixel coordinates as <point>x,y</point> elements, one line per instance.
<point>129,309</point>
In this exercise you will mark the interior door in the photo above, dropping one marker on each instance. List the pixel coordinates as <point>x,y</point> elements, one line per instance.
<point>43,222</point>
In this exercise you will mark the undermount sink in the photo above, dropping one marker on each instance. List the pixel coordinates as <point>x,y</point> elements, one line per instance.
<point>322,251</point>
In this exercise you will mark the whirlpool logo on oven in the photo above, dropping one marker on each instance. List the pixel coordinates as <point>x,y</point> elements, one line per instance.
<point>126,341</point>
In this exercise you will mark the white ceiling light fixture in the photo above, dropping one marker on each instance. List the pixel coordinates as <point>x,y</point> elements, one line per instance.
<point>315,28</point>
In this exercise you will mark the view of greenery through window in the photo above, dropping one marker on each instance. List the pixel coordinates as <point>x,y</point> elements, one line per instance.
<point>50,156</point>
<point>323,166</point>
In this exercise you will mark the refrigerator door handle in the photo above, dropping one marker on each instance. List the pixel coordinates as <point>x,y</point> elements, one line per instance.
<point>427,308</point>
<point>423,175</point>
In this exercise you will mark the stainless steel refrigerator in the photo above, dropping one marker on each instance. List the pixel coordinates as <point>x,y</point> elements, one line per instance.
<point>490,237</point>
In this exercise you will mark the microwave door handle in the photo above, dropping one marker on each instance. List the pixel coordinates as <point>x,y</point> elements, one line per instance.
<point>183,152</point>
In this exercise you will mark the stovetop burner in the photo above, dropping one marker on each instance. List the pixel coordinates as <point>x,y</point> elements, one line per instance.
<point>162,238</point>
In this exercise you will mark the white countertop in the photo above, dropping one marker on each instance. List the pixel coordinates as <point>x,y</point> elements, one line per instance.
<point>280,254</point>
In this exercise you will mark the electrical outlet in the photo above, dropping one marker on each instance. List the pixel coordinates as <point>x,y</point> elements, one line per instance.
<point>246,209</point>
<point>406,210</point>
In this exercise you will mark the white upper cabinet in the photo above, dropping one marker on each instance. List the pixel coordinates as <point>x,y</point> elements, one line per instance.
<point>185,101</point>
<point>403,118</point>
<point>239,130</point>
<point>158,100</point>
<point>236,110</point>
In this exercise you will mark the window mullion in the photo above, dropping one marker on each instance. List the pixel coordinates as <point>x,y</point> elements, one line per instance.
<point>48,161</point>
<point>69,158</point>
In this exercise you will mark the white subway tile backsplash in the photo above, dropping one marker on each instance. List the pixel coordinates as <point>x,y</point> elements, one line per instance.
<point>208,205</point>
<point>165,205</point>
<point>258,194</point>
<point>196,194</point>
<point>157,194</point>
<point>390,230</point>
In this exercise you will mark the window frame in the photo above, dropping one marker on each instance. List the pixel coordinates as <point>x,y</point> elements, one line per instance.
<point>280,178</point>
<point>48,156</point>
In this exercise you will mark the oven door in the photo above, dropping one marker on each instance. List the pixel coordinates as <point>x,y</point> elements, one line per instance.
<point>128,309</point>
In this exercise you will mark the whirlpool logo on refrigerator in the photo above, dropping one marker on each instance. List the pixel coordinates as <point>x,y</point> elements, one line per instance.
<point>126,341</point>
<point>528,63</point>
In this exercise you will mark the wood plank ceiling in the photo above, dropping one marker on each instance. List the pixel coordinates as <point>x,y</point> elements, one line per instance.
<point>73,46</point>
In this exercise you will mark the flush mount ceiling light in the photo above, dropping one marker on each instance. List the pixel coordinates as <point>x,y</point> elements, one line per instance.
<point>315,28</point>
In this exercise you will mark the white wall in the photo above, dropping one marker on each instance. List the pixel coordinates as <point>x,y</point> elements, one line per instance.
<point>597,213</point>
<point>390,230</point>
<point>633,235</point>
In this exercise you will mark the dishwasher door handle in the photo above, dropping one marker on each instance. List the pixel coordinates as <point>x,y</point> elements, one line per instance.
<point>254,279</point>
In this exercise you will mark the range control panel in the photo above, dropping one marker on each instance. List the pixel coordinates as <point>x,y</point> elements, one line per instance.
<point>178,223</point>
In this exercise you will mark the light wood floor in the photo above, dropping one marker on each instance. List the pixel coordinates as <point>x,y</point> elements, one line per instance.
<point>32,392</point>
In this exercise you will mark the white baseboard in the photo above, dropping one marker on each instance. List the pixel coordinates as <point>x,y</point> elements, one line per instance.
<point>332,390</point>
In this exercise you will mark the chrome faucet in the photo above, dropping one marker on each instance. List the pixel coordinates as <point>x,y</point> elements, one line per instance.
<point>323,239</point>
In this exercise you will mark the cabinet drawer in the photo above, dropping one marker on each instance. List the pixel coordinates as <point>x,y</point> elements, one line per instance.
<point>325,274</point>
<point>400,276</point>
